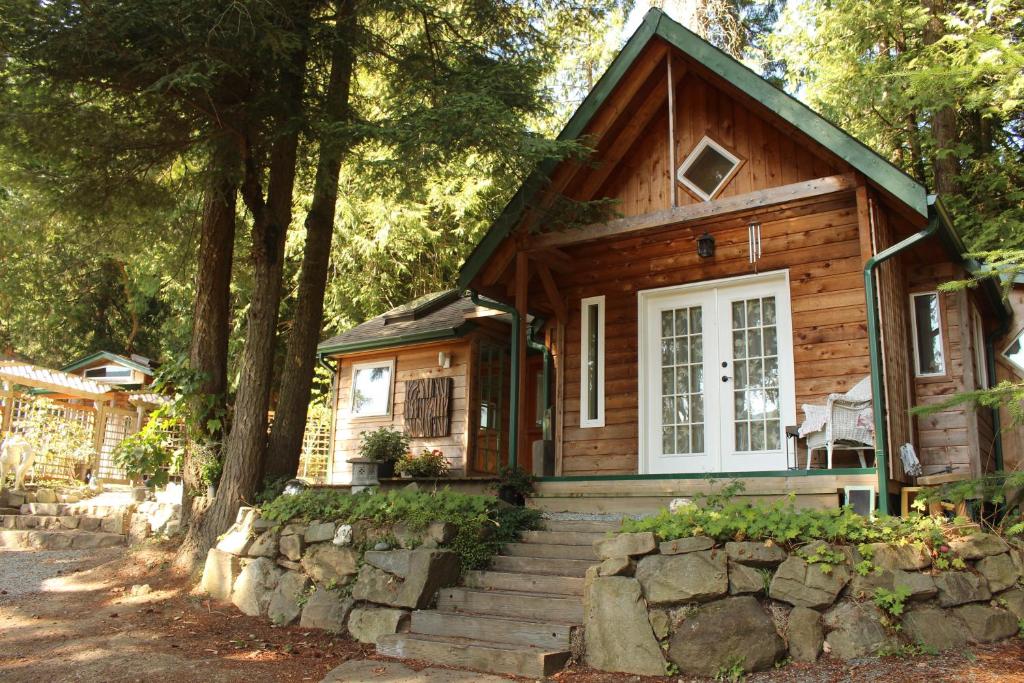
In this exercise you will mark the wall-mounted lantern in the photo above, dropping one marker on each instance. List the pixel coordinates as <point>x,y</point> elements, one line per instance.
<point>706,245</point>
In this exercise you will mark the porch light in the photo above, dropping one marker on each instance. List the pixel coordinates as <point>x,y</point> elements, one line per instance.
<point>706,245</point>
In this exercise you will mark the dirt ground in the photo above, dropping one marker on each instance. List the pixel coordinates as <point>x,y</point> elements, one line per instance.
<point>84,624</point>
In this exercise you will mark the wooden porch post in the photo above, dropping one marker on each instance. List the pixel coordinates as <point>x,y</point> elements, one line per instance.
<point>559,415</point>
<point>522,287</point>
<point>8,409</point>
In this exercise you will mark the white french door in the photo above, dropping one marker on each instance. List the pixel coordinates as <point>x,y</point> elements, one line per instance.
<point>716,375</point>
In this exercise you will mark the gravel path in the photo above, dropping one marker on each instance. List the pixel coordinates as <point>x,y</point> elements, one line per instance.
<point>37,571</point>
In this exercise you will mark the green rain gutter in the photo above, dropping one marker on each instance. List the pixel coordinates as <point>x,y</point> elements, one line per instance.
<point>513,390</point>
<point>875,347</point>
<point>531,341</point>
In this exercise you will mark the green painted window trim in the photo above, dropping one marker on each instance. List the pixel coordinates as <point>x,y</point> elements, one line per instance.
<point>714,475</point>
<point>657,23</point>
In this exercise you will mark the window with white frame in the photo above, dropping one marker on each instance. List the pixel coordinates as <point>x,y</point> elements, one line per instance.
<point>980,351</point>
<point>592,362</point>
<point>707,169</point>
<point>371,388</point>
<point>1014,352</point>
<point>926,319</point>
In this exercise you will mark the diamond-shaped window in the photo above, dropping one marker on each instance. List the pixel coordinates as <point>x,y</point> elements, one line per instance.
<point>707,168</point>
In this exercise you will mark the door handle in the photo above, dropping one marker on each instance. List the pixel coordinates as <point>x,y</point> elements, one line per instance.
<point>726,378</point>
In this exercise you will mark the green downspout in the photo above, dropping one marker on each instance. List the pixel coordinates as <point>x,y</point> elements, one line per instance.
<point>875,347</point>
<point>531,341</point>
<point>513,390</point>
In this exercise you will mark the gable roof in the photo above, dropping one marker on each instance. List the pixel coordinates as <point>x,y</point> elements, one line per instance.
<point>440,315</point>
<point>134,363</point>
<point>658,24</point>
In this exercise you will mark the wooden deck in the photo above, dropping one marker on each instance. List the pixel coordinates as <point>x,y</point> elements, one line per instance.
<point>642,494</point>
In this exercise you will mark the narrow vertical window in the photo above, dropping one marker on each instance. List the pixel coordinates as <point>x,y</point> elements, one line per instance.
<point>929,357</point>
<point>592,362</point>
<point>980,351</point>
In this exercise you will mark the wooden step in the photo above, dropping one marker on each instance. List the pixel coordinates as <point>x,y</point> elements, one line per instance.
<point>530,583</point>
<point>582,525</point>
<point>541,565</point>
<point>562,537</point>
<point>518,660</point>
<point>57,540</point>
<point>533,606</point>
<point>551,636</point>
<point>562,552</point>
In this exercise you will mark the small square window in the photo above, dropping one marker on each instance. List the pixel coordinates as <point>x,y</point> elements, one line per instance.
<point>707,168</point>
<point>371,389</point>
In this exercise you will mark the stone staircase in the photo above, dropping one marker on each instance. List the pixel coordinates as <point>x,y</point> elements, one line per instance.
<point>519,616</point>
<point>62,526</point>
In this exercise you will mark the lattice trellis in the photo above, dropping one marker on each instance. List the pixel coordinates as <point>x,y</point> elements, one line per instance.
<point>316,448</point>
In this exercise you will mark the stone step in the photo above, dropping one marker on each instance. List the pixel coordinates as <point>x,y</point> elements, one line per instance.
<point>530,583</point>
<point>582,526</point>
<point>562,537</point>
<point>73,509</point>
<point>14,539</point>
<point>518,660</point>
<point>547,635</point>
<point>541,565</point>
<point>562,552</point>
<point>533,606</point>
<point>111,525</point>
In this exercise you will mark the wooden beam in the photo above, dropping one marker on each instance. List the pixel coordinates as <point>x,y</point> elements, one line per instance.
<point>559,358</point>
<point>522,290</point>
<point>661,219</point>
<point>556,300</point>
<point>671,132</point>
<point>554,259</point>
<point>499,262</point>
<point>864,224</point>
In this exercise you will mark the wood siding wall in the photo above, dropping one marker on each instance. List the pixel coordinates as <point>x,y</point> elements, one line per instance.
<point>817,242</point>
<point>641,182</point>
<point>410,363</point>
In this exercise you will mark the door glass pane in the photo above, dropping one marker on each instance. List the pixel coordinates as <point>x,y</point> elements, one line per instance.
<point>593,354</point>
<point>756,424</point>
<point>682,385</point>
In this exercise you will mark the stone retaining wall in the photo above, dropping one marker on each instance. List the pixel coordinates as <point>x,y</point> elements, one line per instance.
<point>705,607</point>
<point>318,575</point>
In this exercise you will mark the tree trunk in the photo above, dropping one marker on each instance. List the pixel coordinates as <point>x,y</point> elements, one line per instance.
<point>247,442</point>
<point>945,163</point>
<point>300,356</point>
<point>211,328</point>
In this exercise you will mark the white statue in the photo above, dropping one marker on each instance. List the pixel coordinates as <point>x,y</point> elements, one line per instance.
<point>19,454</point>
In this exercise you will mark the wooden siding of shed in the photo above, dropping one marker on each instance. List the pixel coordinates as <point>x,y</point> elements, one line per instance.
<point>416,362</point>
<point>817,242</point>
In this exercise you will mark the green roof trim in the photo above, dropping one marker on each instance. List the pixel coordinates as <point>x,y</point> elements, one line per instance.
<point>389,342</point>
<point>657,23</point>
<point>113,358</point>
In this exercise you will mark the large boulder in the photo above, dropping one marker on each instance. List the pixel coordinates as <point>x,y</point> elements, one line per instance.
<point>428,571</point>
<point>318,532</point>
<point>745,579</point>
<point>366,624</point>
<point>755,554</point>
<point>219,574</point>
<point>265,545</point>
<point>692,577</point>
<point>806,585</point>
<point>999,570</point>
<point>286,602</point>
<point>934,628</point>
<point>616,566</point>
<point>395,562</point>
<point>625,545</point>
<point>856,630</point>
<point>957,588</point>
<point>1014,601</point>
<point>686,545</point>
<point>327,562</point>
<point>326,609</point>
<point>977,546</point>
<point>921,586</point>
<point>805,633</point>
<point>725,633</point>
<point>255,586</point>
<point>291,546</point>
<point>906,557</point>
<point>986,624</point>
<point>238,538</point>
<point>617,632</point>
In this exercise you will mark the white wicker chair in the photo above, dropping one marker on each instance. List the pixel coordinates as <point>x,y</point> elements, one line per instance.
<point>845,422</point>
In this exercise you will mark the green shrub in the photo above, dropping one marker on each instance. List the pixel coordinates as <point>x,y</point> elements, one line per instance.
<point>383,444</point>
<point>483,523</point>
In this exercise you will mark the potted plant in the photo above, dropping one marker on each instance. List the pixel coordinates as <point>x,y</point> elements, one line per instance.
<point>386,446</point>
<point>513,485</point>
<point>430,464</point>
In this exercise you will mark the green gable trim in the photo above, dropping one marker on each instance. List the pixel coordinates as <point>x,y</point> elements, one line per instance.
<point>390,342</point>
<point>657,23</point>
<point>714,476</point>
<point>113,358</point>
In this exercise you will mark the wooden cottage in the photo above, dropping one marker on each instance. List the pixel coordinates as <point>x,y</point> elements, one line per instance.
<point>762,259</point>
<point>133,371</point>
